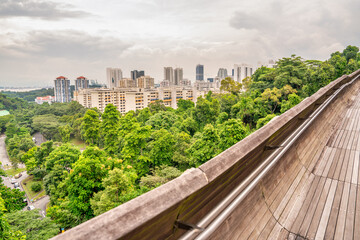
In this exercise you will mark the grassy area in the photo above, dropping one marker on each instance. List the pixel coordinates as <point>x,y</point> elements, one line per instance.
<point>41,194</point>
<point>78,143</point>
<point>26,184</point>
<point>13,172</point>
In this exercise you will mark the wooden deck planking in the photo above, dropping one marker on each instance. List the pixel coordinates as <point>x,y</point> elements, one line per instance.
<point>330,228</point>
<point>350,216</point>
<point>315,221</point>
<point>320,233</point>
<point>340,224</point>
<point>357,214</point>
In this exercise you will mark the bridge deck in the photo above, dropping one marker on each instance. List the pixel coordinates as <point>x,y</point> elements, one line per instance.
<point>318,196</point>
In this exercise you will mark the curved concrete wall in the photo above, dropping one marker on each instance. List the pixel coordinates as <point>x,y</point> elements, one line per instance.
<point>192,195</point>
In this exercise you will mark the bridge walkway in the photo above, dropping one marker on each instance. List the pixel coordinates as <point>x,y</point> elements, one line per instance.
<point>318,196</point>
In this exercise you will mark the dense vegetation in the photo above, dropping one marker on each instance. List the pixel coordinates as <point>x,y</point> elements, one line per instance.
<point>127,155</point>
<point>30,95</point>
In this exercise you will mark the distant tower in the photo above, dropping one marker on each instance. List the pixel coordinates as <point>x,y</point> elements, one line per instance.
<point>81,83</point>
<point>113,75</point>
<point>222,73</point>
<point>242,71</point>
<point>169,74</point>
<point>178,72</point>
<point>136,74</point>
<point>62,89</point>
<point>200,72</point>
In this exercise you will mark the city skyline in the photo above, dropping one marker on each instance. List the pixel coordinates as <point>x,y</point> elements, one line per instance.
<point>45,39</point>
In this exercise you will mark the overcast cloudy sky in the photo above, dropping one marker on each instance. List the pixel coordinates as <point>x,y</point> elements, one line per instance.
<point>41,39</point>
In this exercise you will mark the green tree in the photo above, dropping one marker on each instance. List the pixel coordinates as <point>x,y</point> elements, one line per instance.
<point>290,71</point>
<point>6,233</point>
<point>231,132</point>
<point>31,223</point>
<point>263,121</point>
<point>109,129</point>
<point>230,85</point>
<point>13,199</point>
<point>184,105</point>
<point>206,111</point>
<point>90,127</point>
<point>350,52</point>
<point>65,132</point>
<point>206,147</point>
<point>161,148</point>
<point>83,182</point>
<point>293,101</point>
<point>36,187</point>
<point>118,183</point>
<point>162,120</point>
<point>65,155</point>
<point>160,176</point>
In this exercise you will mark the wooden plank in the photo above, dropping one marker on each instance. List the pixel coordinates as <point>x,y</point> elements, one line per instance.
<point>274,234</point>
<point>285,199</point>
<point>350,167</point>
<point>312,207</point>
<point>301,214</point>
<point>297,202</point>
<point>321,163</point>
<point>339,164</point>
<point>320,233</point>
<point>329,162</point>
<point>330,229</point>
<point>340,225</point>
<point>354,177</point>
<point>357,215</point>
<point>334,163</point>
<point>350,216</point>
<point>290,204</point>
<point>344,166</point>
<point>267,229</point>
<point>319,210</point>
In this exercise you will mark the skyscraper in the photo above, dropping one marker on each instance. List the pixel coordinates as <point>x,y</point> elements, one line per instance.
<point>242,71</point>
<point>113,75</point>
<point>136,74</point>
<point>178,73</point>
<point>62,89</point>
<point>222,73</point>
<point>200,72</point>
<point>169,74</point>
<point>81,83</point>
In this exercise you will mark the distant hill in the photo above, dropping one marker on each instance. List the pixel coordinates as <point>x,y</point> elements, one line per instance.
<point>31,95</point>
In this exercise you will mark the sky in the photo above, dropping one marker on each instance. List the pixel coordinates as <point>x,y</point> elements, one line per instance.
<point>43,39</point>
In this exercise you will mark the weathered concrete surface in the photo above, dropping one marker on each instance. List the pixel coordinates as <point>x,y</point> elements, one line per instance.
<point>190,197</point>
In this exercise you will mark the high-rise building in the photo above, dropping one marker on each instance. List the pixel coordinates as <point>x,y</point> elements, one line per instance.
<point>178,73</point>
<point>199,72</point>
<point>81,83</point>
<point>169,74</point>
<point>145,82</point>
<point>136,74</point>
<point>222,73</point>
<point>242,71</point>
<point>113,75</point>
<point>62,89</point>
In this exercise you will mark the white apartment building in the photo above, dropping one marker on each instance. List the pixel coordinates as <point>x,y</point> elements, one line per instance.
<point>136,98</point>
<point>242,71</point>
<point>113,75</point>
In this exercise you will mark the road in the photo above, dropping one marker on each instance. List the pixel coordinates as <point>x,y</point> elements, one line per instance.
<point>6,164</point>
<point>39,138</point>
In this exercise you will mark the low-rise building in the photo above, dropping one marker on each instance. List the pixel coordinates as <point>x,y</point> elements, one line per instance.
<point>135,98</point>
<point>48,99</point>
